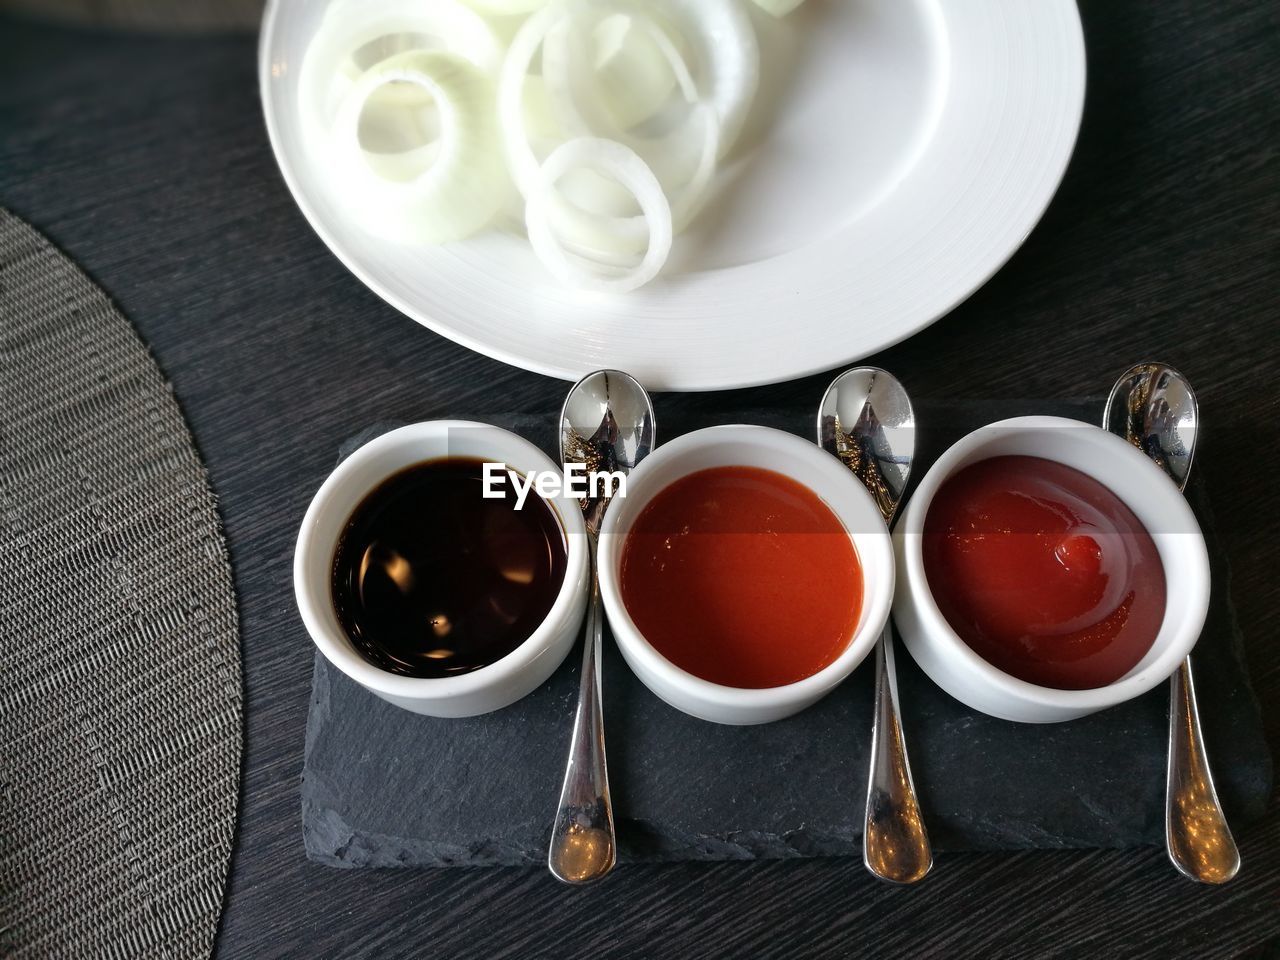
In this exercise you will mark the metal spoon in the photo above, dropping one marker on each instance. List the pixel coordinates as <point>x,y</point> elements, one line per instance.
<point>1153,407</point>
<point>866,421</point>
<point>607,425</point>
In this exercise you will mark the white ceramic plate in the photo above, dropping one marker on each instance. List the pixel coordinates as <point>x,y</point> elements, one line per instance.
<point>900,152</point>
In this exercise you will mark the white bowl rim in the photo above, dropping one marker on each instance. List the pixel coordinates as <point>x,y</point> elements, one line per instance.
<point>811,457</point>
<point>907,543</point>
<point>340,652</point>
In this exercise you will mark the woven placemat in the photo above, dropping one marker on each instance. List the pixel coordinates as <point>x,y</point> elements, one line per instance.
<point>158,15</point>
<point>120,694</point>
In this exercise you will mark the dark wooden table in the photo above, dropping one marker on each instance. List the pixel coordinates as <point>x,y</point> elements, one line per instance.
<point>147,161</point>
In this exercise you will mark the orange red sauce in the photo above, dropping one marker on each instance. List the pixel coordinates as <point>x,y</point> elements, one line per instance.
<point>1044,572</point>
<point>743,577</point>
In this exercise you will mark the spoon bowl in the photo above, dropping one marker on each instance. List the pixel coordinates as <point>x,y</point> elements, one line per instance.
<point>866,421</point>
<point>1154,408</point>
<point>606,424</point>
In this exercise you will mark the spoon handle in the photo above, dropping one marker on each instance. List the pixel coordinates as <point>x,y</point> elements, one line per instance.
<point>895,844</point>
<point>1196,833</point>
<point>583,844</point>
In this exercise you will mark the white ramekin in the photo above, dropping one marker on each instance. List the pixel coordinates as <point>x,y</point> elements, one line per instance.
<point>1156,501</point>
<point>493,686</point>
<point>805,462</point>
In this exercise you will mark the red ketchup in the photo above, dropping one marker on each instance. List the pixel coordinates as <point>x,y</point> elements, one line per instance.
<point>743,577</point>
<point>1044,572</point>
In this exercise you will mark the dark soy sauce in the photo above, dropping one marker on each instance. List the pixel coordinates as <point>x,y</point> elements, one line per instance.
<point>431,579</point>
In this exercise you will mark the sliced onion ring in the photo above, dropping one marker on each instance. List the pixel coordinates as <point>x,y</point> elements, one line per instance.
<point>579,268</point>
<point>521,159</point>
<point>724,50</point>
<point>507,8</point>
<point>633,74</point>
<point>686,158</point>
<point>724,44</point>
<point>778,8</point>
<point>573,86</point>
<point>349,25</point>
<point>625,236</point>
<point>465,183</point>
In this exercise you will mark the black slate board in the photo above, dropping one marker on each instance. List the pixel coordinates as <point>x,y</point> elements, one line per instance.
<point>382,787</point>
